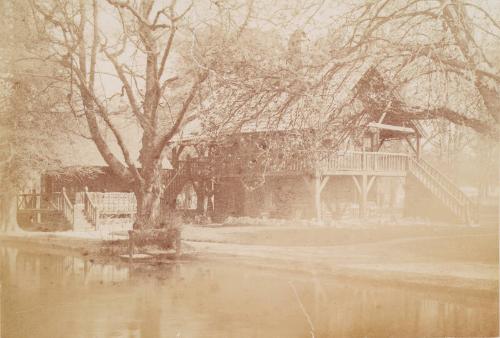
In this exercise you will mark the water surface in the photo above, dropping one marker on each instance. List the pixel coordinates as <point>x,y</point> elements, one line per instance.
<point>51,296</point>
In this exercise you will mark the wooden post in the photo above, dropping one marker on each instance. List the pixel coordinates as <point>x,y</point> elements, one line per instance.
<point>130,245</point>
<point>319,185</point>
<point>317,197</point>
<point>364,196</point>
<point>363,190</point>
<point>376,141</point>
<point>38,207</point>
<point>381,143</point>
<point>32,202</point>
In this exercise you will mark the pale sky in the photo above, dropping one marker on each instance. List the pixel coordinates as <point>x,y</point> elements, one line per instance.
<point>316,26</point>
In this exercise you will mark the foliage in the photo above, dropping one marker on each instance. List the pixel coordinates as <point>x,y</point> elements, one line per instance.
<point>437,55</point>
<point>32,124</point>
<point>149,68</point>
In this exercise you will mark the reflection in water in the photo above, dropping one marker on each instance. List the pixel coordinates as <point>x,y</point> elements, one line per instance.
<point>50,296</point>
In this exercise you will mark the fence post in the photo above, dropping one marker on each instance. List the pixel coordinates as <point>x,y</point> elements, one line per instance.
<point>130,244</point>
<point>38,206</point>
<point>73,218</point>
<point>96,218</point>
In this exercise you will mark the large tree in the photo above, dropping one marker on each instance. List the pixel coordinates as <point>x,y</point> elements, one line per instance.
<point>130,63</point>
<point>145,63</point>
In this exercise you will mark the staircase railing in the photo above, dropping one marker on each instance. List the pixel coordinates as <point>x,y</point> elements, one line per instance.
<point>66,207</point>
<point>90,210</point>
<point>441,186</point>
<point>54,200</point>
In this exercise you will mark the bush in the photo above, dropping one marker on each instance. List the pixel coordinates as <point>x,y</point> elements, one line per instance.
<point>163,238</point>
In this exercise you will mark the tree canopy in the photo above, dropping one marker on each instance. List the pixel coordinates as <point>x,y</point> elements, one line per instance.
<point>130,75</point>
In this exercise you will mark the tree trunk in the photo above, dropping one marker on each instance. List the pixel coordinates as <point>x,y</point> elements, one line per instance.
<point>210,205</point>
<point>200,199</point>
<point>148,201</point>
<point>8,220</point>
<point>204,193</point>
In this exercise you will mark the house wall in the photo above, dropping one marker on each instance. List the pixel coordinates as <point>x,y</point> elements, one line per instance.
<point>293,198</point>
<point>278,197</point>
<point>256,203</point>
<point>390,192</point>
<point>228,198</point>
<point>338,196</point>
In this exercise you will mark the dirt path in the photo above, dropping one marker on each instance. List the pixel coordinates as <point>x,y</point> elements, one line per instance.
<point>465,258</point>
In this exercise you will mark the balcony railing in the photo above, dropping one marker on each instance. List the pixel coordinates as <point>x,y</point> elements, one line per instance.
<point>326,162</point>
<point>362,161</point>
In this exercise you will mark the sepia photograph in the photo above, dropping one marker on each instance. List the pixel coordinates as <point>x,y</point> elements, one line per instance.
<point>249,168</point>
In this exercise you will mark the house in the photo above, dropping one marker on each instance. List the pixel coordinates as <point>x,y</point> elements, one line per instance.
<point>362,154</point>
<point>289,167</point>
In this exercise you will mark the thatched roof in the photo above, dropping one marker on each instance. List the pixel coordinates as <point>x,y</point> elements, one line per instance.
<point>331,99</point>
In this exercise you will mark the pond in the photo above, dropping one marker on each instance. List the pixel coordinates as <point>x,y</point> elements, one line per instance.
<point>49,296</point>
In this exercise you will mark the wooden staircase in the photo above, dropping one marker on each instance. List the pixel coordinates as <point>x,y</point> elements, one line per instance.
<point>80,222</point>
<point>72,212</point>
<point>444,189</point>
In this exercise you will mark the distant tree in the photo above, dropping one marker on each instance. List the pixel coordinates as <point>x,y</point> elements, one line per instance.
<point>30,128</point>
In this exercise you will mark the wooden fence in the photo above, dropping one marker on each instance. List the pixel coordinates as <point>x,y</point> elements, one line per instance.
<point>102,207</point>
